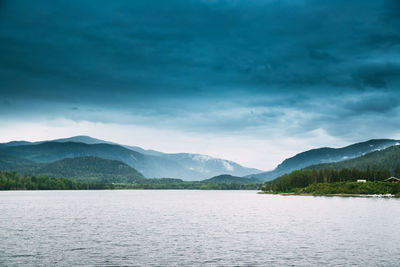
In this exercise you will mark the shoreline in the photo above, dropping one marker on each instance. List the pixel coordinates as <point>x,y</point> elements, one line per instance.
<point>332,195</point>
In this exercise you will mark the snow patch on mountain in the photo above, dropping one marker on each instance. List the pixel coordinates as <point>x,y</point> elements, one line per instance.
<point>227,165</point>
<point>201,158</point>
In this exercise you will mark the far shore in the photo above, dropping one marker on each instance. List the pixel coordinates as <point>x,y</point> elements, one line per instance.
<point>331,195</point>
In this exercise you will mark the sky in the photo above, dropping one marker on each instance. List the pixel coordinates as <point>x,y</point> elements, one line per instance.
<point>253,81</point>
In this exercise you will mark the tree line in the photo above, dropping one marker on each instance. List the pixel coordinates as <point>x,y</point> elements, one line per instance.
<point>305,177</point>
<point>369,188</point>
<point>195,186</point>
<point>14,181</point>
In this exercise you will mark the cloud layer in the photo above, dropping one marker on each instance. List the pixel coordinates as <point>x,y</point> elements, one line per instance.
<point>259,70</point>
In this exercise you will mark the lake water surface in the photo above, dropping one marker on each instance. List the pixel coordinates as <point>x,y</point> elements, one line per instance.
<point>195,228</point>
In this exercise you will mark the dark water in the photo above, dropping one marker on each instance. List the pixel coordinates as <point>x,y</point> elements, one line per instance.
<point>193,228</point>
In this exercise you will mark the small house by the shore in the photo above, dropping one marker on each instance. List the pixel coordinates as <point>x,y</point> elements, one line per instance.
<point>392,180</point>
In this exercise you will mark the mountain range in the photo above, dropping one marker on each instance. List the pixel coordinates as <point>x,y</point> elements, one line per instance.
<point>97,160</point>
<point>151,163</point>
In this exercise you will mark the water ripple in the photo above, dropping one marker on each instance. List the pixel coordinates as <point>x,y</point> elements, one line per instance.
<point>195,228</point>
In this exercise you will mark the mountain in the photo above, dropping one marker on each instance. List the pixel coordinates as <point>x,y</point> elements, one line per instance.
<point>200,166</point>
<point>388,158</point>
<point>229,179</point>
<point>208,166</point>
<point>153,164</point>
<point>91,169</point>
<point>53,151</point>
<point>88,169</point>
<point>325,155</point>
<point>90,140</point>
<point>17,143</point>
<point>86,140</point>
<point>13,163</point>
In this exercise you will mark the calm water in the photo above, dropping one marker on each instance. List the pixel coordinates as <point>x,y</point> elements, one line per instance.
<point>192,228</point>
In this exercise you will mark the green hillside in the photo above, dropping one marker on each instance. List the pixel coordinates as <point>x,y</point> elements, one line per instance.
<point>229,179</point>
<point>88,169</point>
<point>13,163</point>
<point>388,158</point>
<point>325,155</point>
<point>14,181</point>
<point>372,167</point>
<point>91,169</point>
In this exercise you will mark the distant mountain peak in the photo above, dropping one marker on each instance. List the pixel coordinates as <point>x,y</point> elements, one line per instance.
<point>80,139</point>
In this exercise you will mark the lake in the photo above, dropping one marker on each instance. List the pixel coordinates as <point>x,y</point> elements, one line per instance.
<point>195,228</point>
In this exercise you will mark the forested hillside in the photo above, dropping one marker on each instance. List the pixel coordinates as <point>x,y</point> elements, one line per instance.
<point>388,158</point>
<point>91,169</point>
<point>14,181</point>
<point>229,179</point>
<point>325,155</point>
<point>306,177</point>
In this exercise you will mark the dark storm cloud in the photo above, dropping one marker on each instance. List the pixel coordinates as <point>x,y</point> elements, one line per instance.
<point>214,65</point>
<point>377,75</point>
<point>386,40</point>
<point>372,104</point>
<point>323,56</point>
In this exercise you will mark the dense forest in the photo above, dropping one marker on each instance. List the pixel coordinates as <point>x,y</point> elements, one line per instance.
<point>83,169</point>
<point>91,169</point>
<point>341,177</point>
<point>14,181</point>
<point>351,188</point>
<point>303,178</point>
<point>229,179</point>
<point>388,158</point>
<point>196,185</point>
